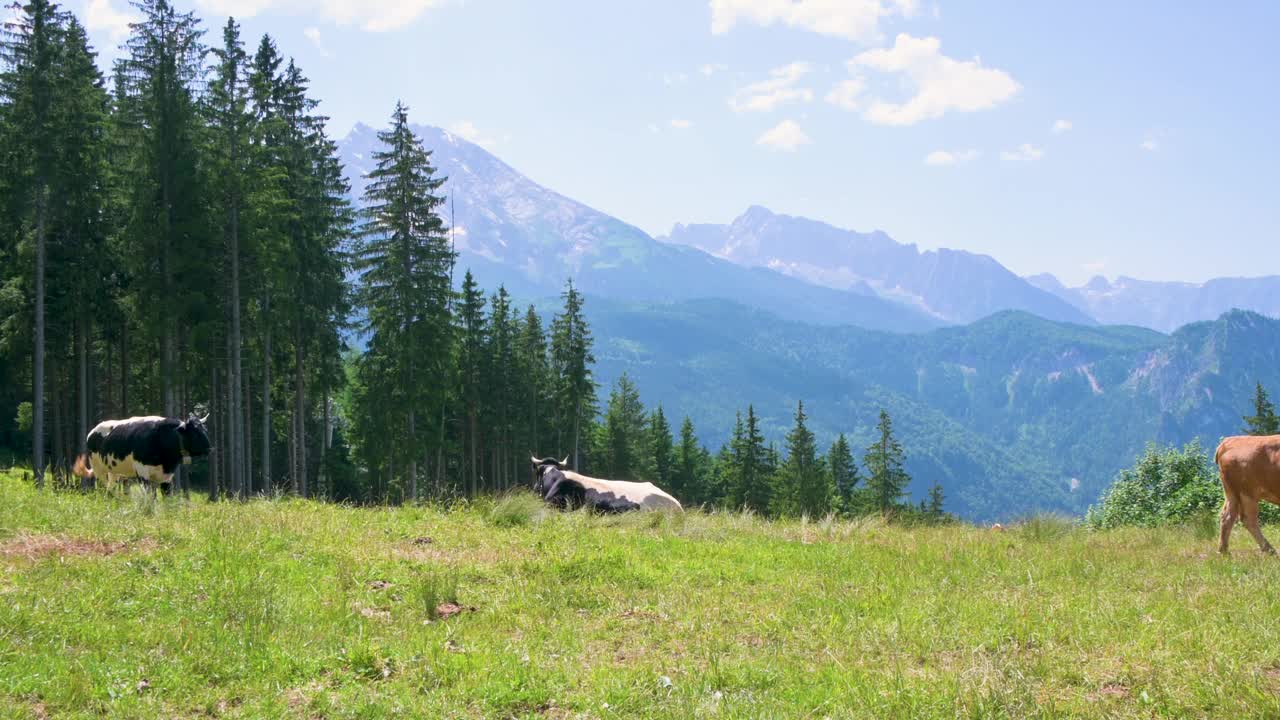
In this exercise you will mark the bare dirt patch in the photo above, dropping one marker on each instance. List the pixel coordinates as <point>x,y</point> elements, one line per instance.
<point>446,610</point>
<point>35,547</point>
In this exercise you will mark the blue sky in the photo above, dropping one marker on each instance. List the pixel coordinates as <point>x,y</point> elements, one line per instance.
<point>1087,137</point>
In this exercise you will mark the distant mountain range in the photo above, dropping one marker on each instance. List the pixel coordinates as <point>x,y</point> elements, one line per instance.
<point>1011,414</point>
<point>1007,390</point>
<point>951,285</point>
<point>1165,306</point>
<point>512,231</point>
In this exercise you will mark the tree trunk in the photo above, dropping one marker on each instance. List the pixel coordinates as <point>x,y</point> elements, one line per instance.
<point>266,396</point>
<point>37,391</point>
<point>413,462</point>
<point>124,369</point>
<point>239,461</point>
<point>247,439</point>
<point>56,429</point>
<point>300,404</point>
<point>216,433</point>
<point>326,441</point>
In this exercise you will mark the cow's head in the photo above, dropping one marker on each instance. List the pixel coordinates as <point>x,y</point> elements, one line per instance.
<point>195,439</point>
<point>540,483</point>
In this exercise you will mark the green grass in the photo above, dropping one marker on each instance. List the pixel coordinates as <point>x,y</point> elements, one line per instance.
<point>115,607</point>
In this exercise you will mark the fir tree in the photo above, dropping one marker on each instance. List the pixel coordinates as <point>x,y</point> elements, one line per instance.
<point>1264,420</point>
<point>689,482</point>
<point>804,485</point>
<point>404,261</point>
<point>844,471</point>
<point>623,432</point>
<point>661,450</point>
<point>886,479</point>
<point>934,507</point>
<point>750,475</point>
<point>571,356</point>
<point>472,332</point>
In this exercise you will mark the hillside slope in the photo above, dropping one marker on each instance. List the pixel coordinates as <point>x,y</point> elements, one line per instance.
<point>1011,414</point>
<point>293,609</point>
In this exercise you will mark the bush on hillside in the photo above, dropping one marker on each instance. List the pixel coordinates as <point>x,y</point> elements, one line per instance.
<point>1166,486</point>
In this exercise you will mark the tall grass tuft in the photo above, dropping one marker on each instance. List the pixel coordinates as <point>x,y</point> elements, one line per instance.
<point>515,509</point>
<point>433,589</point>
<point>1046,527</point>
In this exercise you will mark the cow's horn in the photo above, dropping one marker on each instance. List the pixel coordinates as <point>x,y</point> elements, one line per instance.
<point>565,461</point>
<point>534,459</point>
<point>206,417</point>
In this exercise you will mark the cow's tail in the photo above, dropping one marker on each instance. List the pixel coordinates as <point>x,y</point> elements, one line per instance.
<point>81,467</point>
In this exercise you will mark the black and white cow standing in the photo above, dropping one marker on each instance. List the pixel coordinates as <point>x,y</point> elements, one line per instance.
<point>148,448</point>
<point>566,488</point>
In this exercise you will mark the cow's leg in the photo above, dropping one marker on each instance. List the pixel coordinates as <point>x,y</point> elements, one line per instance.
<point>1230,513</point>
<point>1249,514</point>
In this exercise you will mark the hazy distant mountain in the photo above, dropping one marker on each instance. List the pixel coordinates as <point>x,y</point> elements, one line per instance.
<point>1166,305</point>
<point>513,231</point>
<point>1011,414</point>
<point>952,285</point>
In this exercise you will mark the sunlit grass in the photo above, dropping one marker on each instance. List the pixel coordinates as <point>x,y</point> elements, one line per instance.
<point>114,607</point>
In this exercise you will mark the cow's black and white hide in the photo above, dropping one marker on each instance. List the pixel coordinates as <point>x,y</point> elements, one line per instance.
<point>147,448</point>
<point>567,489</point>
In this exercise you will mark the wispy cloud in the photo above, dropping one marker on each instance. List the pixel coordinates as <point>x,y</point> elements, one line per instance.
<point>939,84</point>
<point>780,89</point>
<point>674,78</point>
<point>847,94</point>
<point>371,15</point>
<point>467,130</point>
<point>948,157</point>
<point>1026,152</point>
<point>1061,126</point>
<point>710,69</point>
<point>313,34</point>
<point>681,124</point>
<point>103,16</point>
<point>853,19</point>
<point>785,136</point>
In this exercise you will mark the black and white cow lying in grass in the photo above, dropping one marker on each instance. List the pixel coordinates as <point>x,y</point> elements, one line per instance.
<point>566,488</point>
<point>148,448</point>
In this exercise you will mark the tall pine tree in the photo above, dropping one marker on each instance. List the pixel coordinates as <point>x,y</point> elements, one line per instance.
<point>572,357</point>
<point>1264,420</point>
<point>886,479</point>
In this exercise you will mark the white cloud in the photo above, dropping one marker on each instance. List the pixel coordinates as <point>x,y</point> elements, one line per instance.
<point>680,124</point>
<point>1025,151</point>
<point>676,78</point>
<point>853,19</point>
<point>1153,140</point>
<point>1150,145</point>
<point>103,16</point>
<point>653,128</point>
<point>940,84</point>
<point>1061,126</point>
<point>947,157</point>
<point>313,34</point>
<point>847,94</point>
<point>371,15</point>
<point>710,69</point>
<point>467,130</point>
<point>786,136</point>
<point>778,90</point>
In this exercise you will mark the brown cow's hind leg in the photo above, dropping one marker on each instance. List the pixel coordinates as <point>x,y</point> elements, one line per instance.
<point>1230,513</point>
<point>1249,514</point>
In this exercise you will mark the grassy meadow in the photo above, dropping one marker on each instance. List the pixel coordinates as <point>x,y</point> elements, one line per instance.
<point>123,606</point>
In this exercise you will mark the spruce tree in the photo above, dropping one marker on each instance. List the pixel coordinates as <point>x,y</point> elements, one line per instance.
<point>472,331</point>
<point>623,432</point>
<point>804,485</point>
<point>750,473</point>
<point>230,124</point>
<point>886,479</point>
<point>661,450</point>
<point>844,471</point>
<point>404,260</point>
<point>689,482</point>
<point>571,356</point>
<point>933,509</point>
<point>535,384</point>
<point>1264,420</point>
<point>30,48</point>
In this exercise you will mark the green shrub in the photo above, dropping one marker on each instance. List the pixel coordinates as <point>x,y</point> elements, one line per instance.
<point>1166,486</point>
<point>515,509</point>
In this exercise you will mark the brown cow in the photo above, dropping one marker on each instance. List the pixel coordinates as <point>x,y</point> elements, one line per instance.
<point>1250,470</point>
